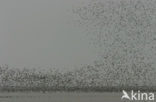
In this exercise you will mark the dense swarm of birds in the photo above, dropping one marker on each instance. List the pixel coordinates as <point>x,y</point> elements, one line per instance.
<point>87,78</point>
<point>124,31</point>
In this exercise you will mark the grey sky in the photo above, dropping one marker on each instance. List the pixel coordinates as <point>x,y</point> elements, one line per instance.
<point>39,33</point>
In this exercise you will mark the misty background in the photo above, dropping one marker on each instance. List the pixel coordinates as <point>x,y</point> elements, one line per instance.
<point>70,34</point>
<point>41,33</point>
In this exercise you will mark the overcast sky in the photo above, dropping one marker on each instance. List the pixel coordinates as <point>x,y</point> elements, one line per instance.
<point>41,33</point>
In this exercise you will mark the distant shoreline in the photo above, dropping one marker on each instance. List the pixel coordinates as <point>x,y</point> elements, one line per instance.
<point>76,89</point>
